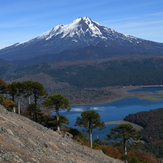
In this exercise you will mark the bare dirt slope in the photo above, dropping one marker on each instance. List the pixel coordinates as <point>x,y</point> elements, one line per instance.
<point>24,141</point>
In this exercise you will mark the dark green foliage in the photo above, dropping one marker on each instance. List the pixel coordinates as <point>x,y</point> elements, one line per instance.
<point>19,90</point>
<point>28,85</point>
<point>101,74</point>
<point>3,69</point>
<point>26,88</point>
<point>37,90</point>
<point>33,88</point>
<point>76,132</point>
<point>57,102</point>
<point>152,134</point>
<point>80,75</point>
<point>152,121</point>
<point>53,123</point>
<point>33,110</point>
<point>35,67</point>
<point>27,69</point>
<point>100,142</point>
<point>130,159</point>
<point>15,89</point>
<point>124,133</point>
<point>155,148</point>
<point>90,120</point>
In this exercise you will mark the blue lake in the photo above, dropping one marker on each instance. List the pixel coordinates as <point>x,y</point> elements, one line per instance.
<point>147,89</point>
<point>113,111</point>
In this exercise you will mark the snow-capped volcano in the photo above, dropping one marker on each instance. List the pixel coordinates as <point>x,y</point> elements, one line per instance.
<point>78,28</point>
<point>81,29</point>
<point>82,32</point>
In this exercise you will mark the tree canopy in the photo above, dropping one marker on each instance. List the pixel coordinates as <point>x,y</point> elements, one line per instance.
<point>124,133</point>
<point>90,120</point>
<point>25,89</point>
<point>53,123</point>
<point>36,88</point>
<point>57,102</point>
<point>15,89</point>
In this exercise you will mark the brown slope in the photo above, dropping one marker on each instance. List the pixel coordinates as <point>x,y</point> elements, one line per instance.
<point>24,141</point>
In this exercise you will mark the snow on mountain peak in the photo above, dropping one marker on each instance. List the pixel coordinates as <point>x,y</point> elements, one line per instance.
<point>83,25</point>
<point>79,27</point>
<point>82,30</point>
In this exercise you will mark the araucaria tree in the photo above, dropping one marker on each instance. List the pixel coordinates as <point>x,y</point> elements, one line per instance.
<point>57,102</point>
<point>32,110</point>
<point>29,89</point>
<point>53,123</point>
<point>25,89</point>
<point>124,133</point>
<point>37,90</point>
<point>16,89</point>
<point>90,120</point>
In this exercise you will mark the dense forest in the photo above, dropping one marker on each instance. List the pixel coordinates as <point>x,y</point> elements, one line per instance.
<point>98,74</point>
<point>152,134</point>
<point>86,82</point>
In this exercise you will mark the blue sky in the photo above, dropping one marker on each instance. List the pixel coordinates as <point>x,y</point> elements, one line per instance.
<point>22,20</point>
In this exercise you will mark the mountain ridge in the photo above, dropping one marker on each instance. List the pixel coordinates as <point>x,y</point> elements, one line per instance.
<point>81,33</point>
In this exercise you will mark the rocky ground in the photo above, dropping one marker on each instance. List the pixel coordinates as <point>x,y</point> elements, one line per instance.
<point>24,141</point>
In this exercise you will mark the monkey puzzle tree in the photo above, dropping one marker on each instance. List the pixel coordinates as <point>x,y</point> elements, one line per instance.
<point>57,102</point>
<point>16,89</point>
<point>28,89</point>
<point>37,90</point>
<point>53,122</point>
<point>124,133</point>
<point>32,110</point>
<point>90,120</point>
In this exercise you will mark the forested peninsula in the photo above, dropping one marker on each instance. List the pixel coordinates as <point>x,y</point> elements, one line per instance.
<point>152,132</point>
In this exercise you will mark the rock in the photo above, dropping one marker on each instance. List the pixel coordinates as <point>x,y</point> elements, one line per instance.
<point>24,141</point>
<point>67,135</point>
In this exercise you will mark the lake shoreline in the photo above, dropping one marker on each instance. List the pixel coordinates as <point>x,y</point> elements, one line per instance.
<point>113,111</point>
<point>137,127</point>
<point>123,93</point>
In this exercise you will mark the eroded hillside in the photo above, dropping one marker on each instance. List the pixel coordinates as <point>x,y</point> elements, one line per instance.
<point>24,141</point>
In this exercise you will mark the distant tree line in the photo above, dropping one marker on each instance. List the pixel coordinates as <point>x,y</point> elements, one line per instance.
<point>105,73</point>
